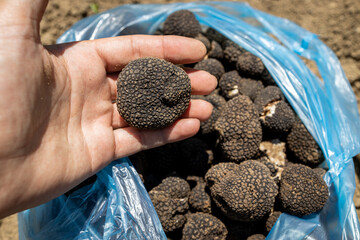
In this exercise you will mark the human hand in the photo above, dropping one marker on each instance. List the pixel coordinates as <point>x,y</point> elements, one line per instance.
<point>58,123</point>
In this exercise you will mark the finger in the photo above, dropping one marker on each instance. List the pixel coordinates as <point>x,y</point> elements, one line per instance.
<point>202,82</point>
<point>130,140</point>
<point>118,51</point>
<point>199,109</point>
<point>117,120</point>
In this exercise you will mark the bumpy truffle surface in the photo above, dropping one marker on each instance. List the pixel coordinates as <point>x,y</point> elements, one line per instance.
<point>176,187</point>
<point>214,35</point>
<point>303,146</point>
<point>250,65</point>
<point>270,222</point>
<point>239,130</point>
<point>267,96</point>
<point>203,226</point>
<point>229,84</point>
<point>212,66</point>
<point>199,200</point>
<point>302,191</point>
<point>250,87</point>
<point>246,195</point>
<point>277,117</point>
<point>152,93</point>
<point>217,172</point>
<point>232,54</point>
<point>182,23</point>
<point>204,40</point>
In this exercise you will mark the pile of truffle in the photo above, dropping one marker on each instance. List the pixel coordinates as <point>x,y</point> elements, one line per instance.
<point>250,162</point>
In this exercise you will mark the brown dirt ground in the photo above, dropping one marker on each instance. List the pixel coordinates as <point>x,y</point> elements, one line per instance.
<point>336,22</point>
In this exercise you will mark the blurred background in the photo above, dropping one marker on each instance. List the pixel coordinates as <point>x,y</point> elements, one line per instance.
<point>336,22</point>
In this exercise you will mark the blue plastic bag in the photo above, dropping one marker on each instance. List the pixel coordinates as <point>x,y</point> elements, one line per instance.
<point>117,205</point>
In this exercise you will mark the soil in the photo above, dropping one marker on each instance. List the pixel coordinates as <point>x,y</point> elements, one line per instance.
<point>336,22</point>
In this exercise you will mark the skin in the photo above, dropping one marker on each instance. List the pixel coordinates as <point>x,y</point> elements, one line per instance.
<point>58,123</point>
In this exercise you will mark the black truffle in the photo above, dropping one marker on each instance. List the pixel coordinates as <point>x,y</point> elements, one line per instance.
<point>232,54</point>
<point>303,146</point>
<point>302,191</point>
<point>182,23</point>
<point>203,226</point>
<point>229,84</point>
<point>199,200</point>
<point>217,172</point>
<point>215,51</point>
<point>212,66</point>
<point>247,194</point>
<point>256,237</point>
<point>250,88</point>
<point>152,93</point>
<point>267,96</point>
<point>214,35</point>
<point>277,117</point>
<point>249,65</point>
<point>270,222</point>
<point>239,130</point>
<point>170,200</point>
<point>204,40</point>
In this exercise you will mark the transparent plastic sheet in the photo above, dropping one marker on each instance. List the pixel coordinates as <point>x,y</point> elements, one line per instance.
<point>327,107</point>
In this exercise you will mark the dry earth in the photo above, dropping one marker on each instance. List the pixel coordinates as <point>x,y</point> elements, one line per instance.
<point>336,22</point>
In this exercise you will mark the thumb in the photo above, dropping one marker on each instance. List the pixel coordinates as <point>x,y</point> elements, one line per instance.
<point>23,16</point>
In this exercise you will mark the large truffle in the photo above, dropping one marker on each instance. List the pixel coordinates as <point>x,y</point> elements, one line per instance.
<point>250,65</point>
<point>303,146</point>
<point>229,84</point>
<point>302,191</point>
<point>203,226</point>
<point>152,93</point>
<point>182,23</point>
<point>212,66</point>
<point>247,194</point>
<point>171,202</point>
<point>239,130</point>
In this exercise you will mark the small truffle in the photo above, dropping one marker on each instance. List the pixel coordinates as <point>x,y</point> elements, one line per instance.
<point>232,54</point>
<point>239,130</point>
<point>247,194</point>
<point>199,200</point>
<point>251,88</point>
<point>277,117</point>
<point>212,66</point>
<point>176,187</point>
<point>302,191</point>
<point>229,84</point>
<point>256,237</point>
<point>270,222</point>
<point>182,23</point>
<point>267,96</point>
<point>303,146</point>
<point>249,65</point>
<point>215,51</point>
<point>203,226</point>
<point>152,93</point>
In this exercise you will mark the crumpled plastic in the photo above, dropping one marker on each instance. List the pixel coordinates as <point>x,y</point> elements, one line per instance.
<point>117,206</point>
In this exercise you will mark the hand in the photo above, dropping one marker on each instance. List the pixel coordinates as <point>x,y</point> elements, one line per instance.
<point>58,123</point>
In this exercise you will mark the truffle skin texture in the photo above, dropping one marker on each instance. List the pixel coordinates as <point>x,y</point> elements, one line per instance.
<point>266,96</point>
<point>199,200</point>
<point>277,117</point>
<point>214,35</point>
<point>195,157</point>
<point>203,226</point>
<point>270,222</point>
<point>247,194</point>
<point>216,50</point>
<point>182,23</point>
<point>256,237</point>
<point>152,93</point>
<point>219,104</point>
<point>250,65</point>
<point>303,146</point>
<point>218,172</point>
<point>250,88</point>
<point>239,130</point>
<point>302,191</point>
<point>232,54</point>
<point>212,66</point>
<point>176,187</point>
<point>170,210</point>
<point>229,84</point>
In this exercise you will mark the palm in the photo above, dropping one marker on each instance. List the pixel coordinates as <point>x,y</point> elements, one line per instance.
<point>58,124</point>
